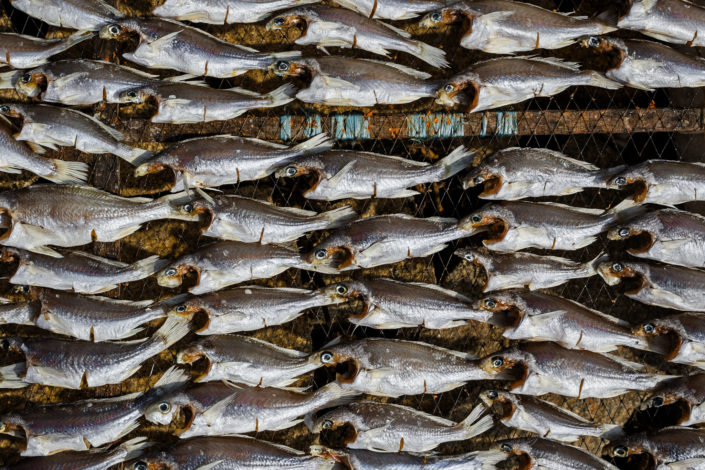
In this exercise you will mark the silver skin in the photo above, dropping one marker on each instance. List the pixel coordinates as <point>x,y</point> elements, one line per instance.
<point>384,427</point>
<point>228,453</point>
<point>390,9</point>
<point>222,409</point>
<point>71,363</point>
<point>684,331</point>
<point>16,156</point>
<point>77,271</point>
<point>391,304</point>
<point>343,81</point>
<point>53,127</point>
<point>540,417</point>
<point>168,44</point>
<point>671,236</point>
<point>383,239</point>
<point>330,26</point>
<point>544,368</point>
<point>668,445</point>
<point>674,21</point>
<point>223,11</point>
<point>688,392</point>
<point>659,285</point>
<point>392,368</point>
<point>250,308</point>
<point>67,216</point>
<point>24,313</point>
<point>664,182</point>
<point>525,270</point>
<point>536,316</point>
<point>518,173</point>
<point>546,454</point>
<point>209,162</point>
<point>76,14</point>
<point>343,174</point>
<point>500,82</point>
<point>23,52</point>
<point>247,360</point>
<point>506,27</point>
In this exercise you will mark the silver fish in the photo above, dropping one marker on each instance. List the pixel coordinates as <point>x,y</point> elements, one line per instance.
<point>345,174</point>
<point>667,235</point>
<point>67,216</point>
<point>686,392</point>
<point>76,271</point>
<point>384,427</point>
<point>531,414</point>
<point>343,81</point>
<point>73,363</point>
<point>394,304</point>
<point>168,44</point>
<point>683,335</point>
<point>668,445</point>
<point>23,52</point>
<point>16,156</point>
<point>247,360</point>
<point>545,454</point>
<point>517,173</point>
<point>526,270</point>
<point>52,127</point>
<point>500,82</point>
<point>506,27</point>
<point>390,9</point>
<point>206,162</point>
<point>223,11</point>
<point>76,14</point>
<point>676,21</point>
<point>391,368</point>
<point>543,368</point>
<point>24,313</point>
<point>225,263</point>
<point>325,26</point>
<point>660,285</point>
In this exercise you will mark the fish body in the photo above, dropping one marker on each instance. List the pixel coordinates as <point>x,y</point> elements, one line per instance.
<point>664,182</point>
<point>223,11</point>
<point>688,392</point>
<point>546,454</point>
<point>345,174</point>
<point>390,9</point>
<point>519,172</point>
<point>24,313</point>
<point>675,21</point>
<point>685,334</point>
<point>76,14</point>
<point>24,52</point>
<point>330,26</point>
<point>500,82</point>
<point>668,445</point>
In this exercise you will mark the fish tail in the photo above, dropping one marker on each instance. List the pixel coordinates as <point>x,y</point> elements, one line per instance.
<point>455,162</point>
<point>609,19</point>
<point>10,376</point>
<point>148,266</point>
<point>338,217</point>
<point>431,55</point>
<point>137,156</point>
<point>590,267</point>
<point>335,395</point>
<point>612,432</point>
<point>626,210</point>
<point>490,458</point>
<point>68,172</point>
<point>281,96</point>
<point>75,38</point>
<point>8,79</point>
<point>317,144</point>
<point>133,448</point>
<point>173,329</point>
<point>475,424</point>
<point>598,80</point>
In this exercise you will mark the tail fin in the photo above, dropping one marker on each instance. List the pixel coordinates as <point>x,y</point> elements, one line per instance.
<point>612,432</point>
<point>8,79</point>
<point>590,267</point>
<point>338,217</point>
<point>173,329</point>
<point>281,96</point>
<point>137,156</point>
<point>68,172</point>
<point>609,18</point>
<point>626,210</point>
<point>474,425</point>
<point>597,79</point>
<point>75,38</point>
<point>148,266</point>
<point>316,144</point>
<point>133,448</point>
<point>490,458</point>
<point>10,376</point>
<point>455,162</point>
<point>431,55</point>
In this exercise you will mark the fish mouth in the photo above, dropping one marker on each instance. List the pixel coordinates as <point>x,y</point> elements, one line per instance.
<point>663,340</point>
<point>189,356</point>
<point>618,273</point>
<point>341,434</point>
<point>491,186</point>
<point>466,93</point>
<point>346,370</point>
<point>640,242</point>
<point>31,85</point>
<point>506,316</point>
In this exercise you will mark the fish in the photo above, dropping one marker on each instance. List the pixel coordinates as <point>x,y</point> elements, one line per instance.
<point>540,417</point>
<point>168,44</point>
<point>17,156</point>
<point>222,409</point>
<point>542,368</point>
<point>682,337</point>
<point>384,239</point>
<point>222,264</point>
<point>189,102</point>
<point>526,270</point>
<point>223,11</point>
<point>68,216</point>
<point>76,364</point>
<point>390,304</point>
<point>539,453</point>
<point>385,427</point>
<point>674,21</point>
<point>325,26</point>
<point>655,284</point>
<point>52,127</point>
<point>203,453</point>
<point>668,445</point>
<point>342,174</point>
<point>250,308</point>
<point>76,271</point>
<point>648,65</point>
<point>23,313</point>
<point>226,159</point>
<point>246,360</point>
<point>500,82</point>
<point>392,368</point>
<point>670,236</point>
<point>390,9</point>
<point>253,221</point>
<point>507,27</point>
<point>23,52</point>
<point>521,172</point>
<point>344,81</point>
<point>87,15</point>
<point>82,425</point>
<point>538,316</point>
<point>663,182</point>
<point>687,392</point>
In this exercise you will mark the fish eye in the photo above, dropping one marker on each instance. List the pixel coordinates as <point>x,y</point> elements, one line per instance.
<point>321,254</point>
<point>164,407</point>
<point>617,267</point>
<point>4,109</point>
<point>132,94</point>
<point>5,344</point>
<point>620,451</point>
<point>341,289</point>
<point>290,171</point>
<point>620,181</point>
<point>505,448</point>
<point>181,308</point>
<point>479,180</point>
<point>114,29</point>
<point>141,465</point>
<point>490,303</point>
<point>188,208</point>
<point>497,361</point>
<point>170,272</point>
<point>327,424</point>
<point>476,218</point>
<point>624,232</point>
<point>436,16</point>
<point>279,21</point>
<point>648,328</point>
<point>657,402</point>
<point>26,78</point>
<point>594,41</point>
<point>492,394</point>
<point>449,88</point>
<point>283,65</point>
<point>469,257</point>
<point>327,357</point>
<point>25,289</point>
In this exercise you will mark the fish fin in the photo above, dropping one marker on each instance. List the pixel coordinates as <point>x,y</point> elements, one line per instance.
<point>403,69</point>
<point>286,55</point>
<point>626,210</point>
<point>490,458</point>
<point>338,217</point>
<point>8,79</point>
<point>623,362</point>
<point>455,162</point>
<point>210,466</point>
<point>689,464</point>
<point>216,411</point>
<point>335,180</point>
<point>335,82</point>
<point>45,250</point>
<point>173,329</point>
<point>185,78</point>
<point>11,169</point>
<point>336,395</point>
<point>555,61</point>
<point>245,92</point>
<point>612,432</point>
<point>475,424</point>
<point>320,48</point>
<point>246,48</point>
<point>675,245</point>
<point>443,290</point>
<point>134,447</point>
<point>45,375</point>
<point>601,81</point>
<point>118,235</point>
<point>100,259</point>
<point>316,144</point>
<point>432,250</point>
<point>400,32</point>
<point>150,265</point>
<point>281,96</point>
<point>127,430</point>
<point>583,210</point>
<point>68,172</point>
<point>35,237</point>
<point>163,41</point>
<point>399,194</point>
<point>138,156</point>
<point>10,376</point>
<point>173,376</point>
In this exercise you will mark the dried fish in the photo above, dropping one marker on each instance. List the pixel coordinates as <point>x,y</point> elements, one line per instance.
<point>77,14</point>
<point>539,453</point>
<point>390,9</point>
<point>676,21</point>
<point>680,337</point>
<point>97,459</point>
<point>667,445</point>
<point>686,392</point>
<point>23,52</point>
<point>24,313</point>
<point>223,11</point>
<point>342,174</point>
<point>384,427</point>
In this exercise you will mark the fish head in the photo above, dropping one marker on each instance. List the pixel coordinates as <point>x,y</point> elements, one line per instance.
<point>679,392</point>
<point>148,168</point>
<point>507,309</point>
<point>614,48</point>
<point>330,255</point>
<point>186,309</point>
<point>632,445</point>
<point>195,352</point>
<point>10,110</point>
<point>487,218</point>
<point>613,272</point>
<point>502,401</point>
<point>520,447</point>
<point>640,240</point>
<point>662,337</point>
<point>293,170</point>
<point>31,83</point>
<point>289,68</point>
<point>506,365</point>
<point>491,181</point>
<point>157,462</point>
<point>342,358</point>
<point>632,177</point>
<point>331,421</point>
<point>445,16</point>
<point>345,291</point>
<point>328,453</point>
<point>290,19</point>
<point>461,89</point>
<point>12,426</point>
<point>114,31</point>
<point>11,344</point>
<point>135,95</point>
<point>173,275</point>
<point>165,410</point>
